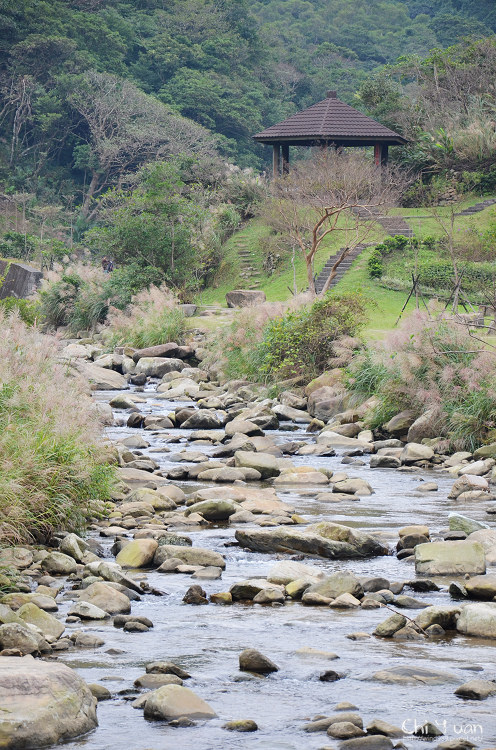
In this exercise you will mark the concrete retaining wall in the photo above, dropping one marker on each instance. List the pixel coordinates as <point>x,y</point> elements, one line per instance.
<point>21,280</point>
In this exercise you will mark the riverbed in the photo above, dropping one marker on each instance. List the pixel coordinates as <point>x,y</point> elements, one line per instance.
<point>207,640</point>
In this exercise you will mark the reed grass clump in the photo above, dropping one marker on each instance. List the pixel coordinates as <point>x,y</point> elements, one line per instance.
<point>432,364</point>
<point>52,463</point>
<point>152,318</point>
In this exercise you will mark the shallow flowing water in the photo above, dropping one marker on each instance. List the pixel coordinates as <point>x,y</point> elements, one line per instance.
<point>207,640</point>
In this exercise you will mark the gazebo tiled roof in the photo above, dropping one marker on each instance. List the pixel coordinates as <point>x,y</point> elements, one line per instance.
<point>330,121</point>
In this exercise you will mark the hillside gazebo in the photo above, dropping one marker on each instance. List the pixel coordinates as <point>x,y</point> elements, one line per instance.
<point>330,122</point>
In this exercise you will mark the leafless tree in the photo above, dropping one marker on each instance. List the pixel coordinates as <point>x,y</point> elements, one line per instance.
<point>332,192</point>
<point>127,128</point>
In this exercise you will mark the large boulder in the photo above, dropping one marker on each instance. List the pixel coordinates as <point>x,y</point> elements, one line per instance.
<point>476,689</point>
<point>56,563</point>
<point>478,619</point>
<point>170,350</point>
<point>251,660</point>
<point>400,423</point>
<point>445,616</point>
<point>42,703</point>
<point>481,587</point>
<point>245,298</point>
<point>175,701</point>
<point>285,571</point>
<point>249,589</point>
<point>327,540</point>
<point>459,522</point>
<point>137,554</point>
<point>413,675</point>
<point>289,414</point>
<point>413,452</point>
<point>47,623</point>
<point>450,558</point>
<point>107,598</point>
<point>243,427</point>
<point>21,637</point>
<point>468,483</point>
<point>203,419</point>
<point>423,427</point>
<point>74,546</point>
<point>326,402</point>
<point>486,451</point>
<point>157,367</point>
<point>189,555</point>
<point>265,463</point>
<point>213,510</point>
<point>102,378</point>
<point>340,582</point>
<point>486,537</point>
<point>16,557</point>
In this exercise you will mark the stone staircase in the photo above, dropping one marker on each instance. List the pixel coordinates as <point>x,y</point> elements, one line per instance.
<point>393,225</point>
<point>477,207</point>
<point>340,271</point>
<point>248,271</point>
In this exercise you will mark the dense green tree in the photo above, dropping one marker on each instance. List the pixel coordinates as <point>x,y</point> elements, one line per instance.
<point>152,225</point>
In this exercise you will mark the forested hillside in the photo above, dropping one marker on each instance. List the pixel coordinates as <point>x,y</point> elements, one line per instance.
<point>126,124</point>
<point>231,66</point>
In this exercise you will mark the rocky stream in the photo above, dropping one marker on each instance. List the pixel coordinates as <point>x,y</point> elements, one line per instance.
<point>295,581</point>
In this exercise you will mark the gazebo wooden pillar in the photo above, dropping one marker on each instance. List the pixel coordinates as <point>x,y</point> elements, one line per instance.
<point>381,152</point>
<point>285,158</point>
<point>276,160</point>
<point>329,122</point>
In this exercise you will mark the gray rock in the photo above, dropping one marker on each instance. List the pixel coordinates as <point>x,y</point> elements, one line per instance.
<point>43,703</point>
<point>412,675</point>
<point>390,626</point>
<point>476,690</point>
<point>251,660</point>
<point>345,730</point>
<point>107,598</point>
<point>245,298</point>
<point>477,619</point>
<point>384,462</point>
<point>203,419</point>
<point>265,463</point>
<point>413,452</point>
<point>56,563</point>
<point>401,423</point>
<point>175,701</point>
<point>189,556</point>
<point>154,681</point>
<point>458,522</point>
<point>377,726</point>
<point>445,616</point>
<point>321,540</point>
<point>336,584</point>
<point>213,510</point>
<point>20,637</point>
<point>450,558</point>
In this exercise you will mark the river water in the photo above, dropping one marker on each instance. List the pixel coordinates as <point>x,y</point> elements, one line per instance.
<point>207,640</point>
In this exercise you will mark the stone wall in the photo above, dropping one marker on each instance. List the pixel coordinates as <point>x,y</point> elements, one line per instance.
<point>21,280</point>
